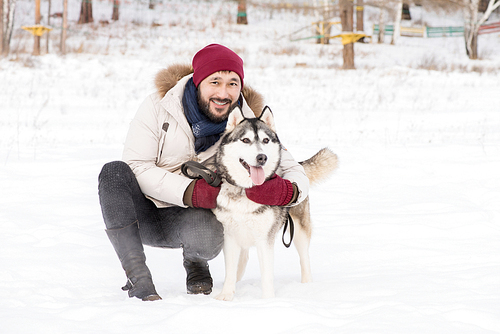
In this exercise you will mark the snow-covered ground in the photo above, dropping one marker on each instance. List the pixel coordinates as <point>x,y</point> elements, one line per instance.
<point>407,232</point>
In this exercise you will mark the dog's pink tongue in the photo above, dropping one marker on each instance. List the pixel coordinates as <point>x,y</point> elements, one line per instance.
<point>257,175</point>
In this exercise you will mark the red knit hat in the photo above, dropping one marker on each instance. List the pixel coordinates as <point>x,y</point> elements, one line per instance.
<point>214,58</point>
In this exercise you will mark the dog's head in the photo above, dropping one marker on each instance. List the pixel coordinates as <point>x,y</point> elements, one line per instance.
<point>250,151</point>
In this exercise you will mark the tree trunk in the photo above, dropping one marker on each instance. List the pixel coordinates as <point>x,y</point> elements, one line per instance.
<point>346,18</point>
<point>86,12</point>
<point>327,27</point>
<point>397,22</point>
<point>242,12</point>
<point>483,5</point>
<point>116,10</point>
<point>381,26</point>
<point>473,47</point>
<point>470,28</point>
<point>9,7</point>
<point>318,18</point>
<point>48,32</point>
<point>473,23</point>
<point>406,12</point>
<point>471,34</point>
<point>360,16</point>
<point>64,27</point>
<point>36,45</point>
<point>1,27</point>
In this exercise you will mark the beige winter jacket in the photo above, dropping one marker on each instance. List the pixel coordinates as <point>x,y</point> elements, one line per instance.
<point>160,140</point>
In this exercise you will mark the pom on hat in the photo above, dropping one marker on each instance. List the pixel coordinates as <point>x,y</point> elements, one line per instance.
<point>214,58</point>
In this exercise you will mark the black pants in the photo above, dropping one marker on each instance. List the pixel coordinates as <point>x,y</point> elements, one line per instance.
<point>197,231</point>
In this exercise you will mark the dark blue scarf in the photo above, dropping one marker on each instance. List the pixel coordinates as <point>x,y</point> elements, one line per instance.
<point>206,132</point>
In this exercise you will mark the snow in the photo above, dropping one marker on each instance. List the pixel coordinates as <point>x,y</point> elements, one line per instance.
<point>406,233</point>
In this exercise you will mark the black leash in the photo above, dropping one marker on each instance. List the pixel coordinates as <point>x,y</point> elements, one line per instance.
<point>195,170</point>
<point>289,221</point>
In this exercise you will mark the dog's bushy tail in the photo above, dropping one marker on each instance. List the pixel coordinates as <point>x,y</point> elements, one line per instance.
<point>320,166</point>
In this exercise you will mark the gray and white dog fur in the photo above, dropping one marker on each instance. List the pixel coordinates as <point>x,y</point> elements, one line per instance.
<point>253,142</point>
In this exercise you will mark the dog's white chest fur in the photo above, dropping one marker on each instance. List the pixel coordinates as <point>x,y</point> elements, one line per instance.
<point>246,221</point>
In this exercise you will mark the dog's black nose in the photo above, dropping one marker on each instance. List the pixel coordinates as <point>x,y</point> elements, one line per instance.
<point>261,159</point>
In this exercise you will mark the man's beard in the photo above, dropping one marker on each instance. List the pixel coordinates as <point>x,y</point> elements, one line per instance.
<point>205,109</point>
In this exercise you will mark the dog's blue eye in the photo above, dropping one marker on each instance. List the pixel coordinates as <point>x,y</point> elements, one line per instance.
<point>246,140</point>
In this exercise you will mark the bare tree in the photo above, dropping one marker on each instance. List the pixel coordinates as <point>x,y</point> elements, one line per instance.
<point>392,9</point>
<point>473,19</point>
<point>323,13</point>
<point>48,23</point>
<point>38,18</point>
<point>116,10</point>
<point>360,16</point>
<point>381,25</point>
<point>397,22</point>
<point>64,27</point>
<point>385,7</point>
<point>406,15</point>
<point>7,22</point>
<point>242,12</point>
<point>346,18</point>
<point>472,22</point>
<point>86,12</point>
<point>1,27</point>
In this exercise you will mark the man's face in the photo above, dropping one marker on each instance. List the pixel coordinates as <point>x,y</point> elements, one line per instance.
<point>218,94</point>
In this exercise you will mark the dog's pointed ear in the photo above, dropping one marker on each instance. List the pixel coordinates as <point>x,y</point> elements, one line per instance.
<point>235,118</point>
<point>268,118</point>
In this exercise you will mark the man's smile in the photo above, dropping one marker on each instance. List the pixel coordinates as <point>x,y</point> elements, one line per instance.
<point>221,102</point>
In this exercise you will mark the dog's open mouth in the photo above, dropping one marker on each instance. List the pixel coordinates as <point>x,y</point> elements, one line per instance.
<point>256,173</point>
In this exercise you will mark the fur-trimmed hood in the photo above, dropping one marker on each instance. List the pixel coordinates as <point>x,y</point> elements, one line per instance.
<point>168,78</point>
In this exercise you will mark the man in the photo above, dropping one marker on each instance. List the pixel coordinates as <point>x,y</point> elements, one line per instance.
<point>145,199</point>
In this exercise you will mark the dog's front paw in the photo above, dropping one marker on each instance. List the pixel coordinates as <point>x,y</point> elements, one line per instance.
<point>225,296</point>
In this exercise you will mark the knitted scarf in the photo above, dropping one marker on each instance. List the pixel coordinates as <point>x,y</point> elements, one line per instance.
<point>206,132</point>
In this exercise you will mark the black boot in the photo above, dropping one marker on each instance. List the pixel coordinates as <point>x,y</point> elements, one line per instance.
<point>127,244</point>
<point>198,277</point>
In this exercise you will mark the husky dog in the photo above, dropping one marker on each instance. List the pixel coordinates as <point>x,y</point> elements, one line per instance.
<point>250,154</point>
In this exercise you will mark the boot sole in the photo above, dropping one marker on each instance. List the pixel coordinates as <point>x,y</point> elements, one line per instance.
<point>151,298</point>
